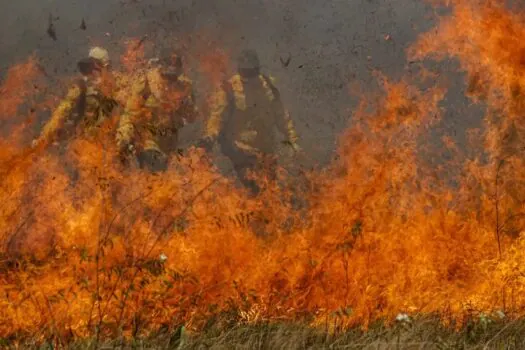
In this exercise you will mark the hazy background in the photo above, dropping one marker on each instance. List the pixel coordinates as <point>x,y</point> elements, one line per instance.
<point>332,44</point>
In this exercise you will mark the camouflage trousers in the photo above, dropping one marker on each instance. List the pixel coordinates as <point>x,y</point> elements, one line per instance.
<point>157,148</point>
<point>246,164</point>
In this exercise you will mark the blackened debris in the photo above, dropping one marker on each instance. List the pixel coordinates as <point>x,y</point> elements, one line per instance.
<point>141,42</point>
<point>286,62</point>
<point>83,25</point>
<point>51,29</point>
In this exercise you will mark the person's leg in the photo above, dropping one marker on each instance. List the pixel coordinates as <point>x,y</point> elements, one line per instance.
<point>244,168</point>
<point>153,160</point>
<point>268,166</point>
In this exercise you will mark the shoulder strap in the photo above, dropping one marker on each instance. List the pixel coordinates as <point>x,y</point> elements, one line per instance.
<point>81,102</point>
<point>228,112</point>
<point>270,83</point>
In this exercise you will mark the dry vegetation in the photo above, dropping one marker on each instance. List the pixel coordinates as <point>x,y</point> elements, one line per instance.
<point>422,333</point>
<point>93,255</point>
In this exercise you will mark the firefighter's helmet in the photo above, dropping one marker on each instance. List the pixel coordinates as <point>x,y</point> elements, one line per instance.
<point>248,59</point>
<point>100,54</point>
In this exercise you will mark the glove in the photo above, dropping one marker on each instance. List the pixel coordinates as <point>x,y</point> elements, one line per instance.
<point>125,146</point>
<point>295,146</point>
<point>40,142</point>
<point>125,150</point>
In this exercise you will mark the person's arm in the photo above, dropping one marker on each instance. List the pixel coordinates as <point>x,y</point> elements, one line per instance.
<point>63,110</point>
<point>284,122</point>
<point>132,111</point>
<point>189,106</point>
<point>218,103</point>
<point>287,128</point>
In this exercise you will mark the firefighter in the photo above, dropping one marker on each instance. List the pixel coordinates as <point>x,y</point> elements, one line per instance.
<point>161,103</point>
<point>244,113</point>
<point>88,102</point>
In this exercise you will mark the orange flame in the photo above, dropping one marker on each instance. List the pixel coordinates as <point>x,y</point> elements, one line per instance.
<point>90,249</point>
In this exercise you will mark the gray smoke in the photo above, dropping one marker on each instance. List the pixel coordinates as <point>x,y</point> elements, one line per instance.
<point>330,44</point>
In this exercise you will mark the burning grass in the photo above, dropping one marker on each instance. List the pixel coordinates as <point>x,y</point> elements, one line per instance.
<point>92,250</point>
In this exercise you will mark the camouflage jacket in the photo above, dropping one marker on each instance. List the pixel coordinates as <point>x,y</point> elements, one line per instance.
<point>155,111</point>
<point>244,114</point>
<point>84,108</point>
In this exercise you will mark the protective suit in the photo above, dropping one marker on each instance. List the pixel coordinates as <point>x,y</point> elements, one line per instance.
<point>87,104</point>
<point>161,103</point>
<point>245,111</point>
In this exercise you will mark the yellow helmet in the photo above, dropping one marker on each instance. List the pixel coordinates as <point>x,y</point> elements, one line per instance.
<point>100,54</point>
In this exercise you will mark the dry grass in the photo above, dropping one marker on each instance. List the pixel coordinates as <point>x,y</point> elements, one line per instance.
<point>424,333</point>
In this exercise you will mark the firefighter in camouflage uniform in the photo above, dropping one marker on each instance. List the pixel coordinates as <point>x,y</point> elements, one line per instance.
<point>88,102</point>
<point>161,103</point>
<point>244,113</point>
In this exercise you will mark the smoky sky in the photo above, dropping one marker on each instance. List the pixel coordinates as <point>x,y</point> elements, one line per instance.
<point>330,44</point>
